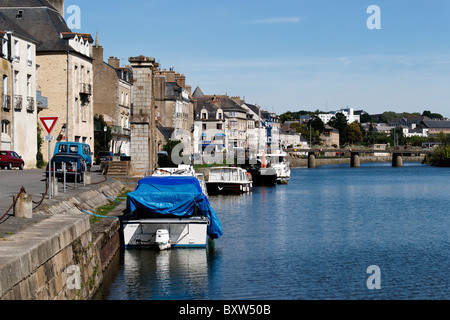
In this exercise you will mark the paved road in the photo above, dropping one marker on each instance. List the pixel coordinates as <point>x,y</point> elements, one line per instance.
<point>11,181</point>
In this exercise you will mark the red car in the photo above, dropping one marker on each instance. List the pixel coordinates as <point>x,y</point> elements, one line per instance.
<point>10,159</point>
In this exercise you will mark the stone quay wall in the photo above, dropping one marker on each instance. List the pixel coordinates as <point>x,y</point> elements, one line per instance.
<point>63,257</point>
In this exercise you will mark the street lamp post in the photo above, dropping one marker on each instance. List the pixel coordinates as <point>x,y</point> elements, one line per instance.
<point>105,129</point>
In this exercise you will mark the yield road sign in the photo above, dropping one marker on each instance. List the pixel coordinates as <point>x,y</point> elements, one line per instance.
<point>49,123</point>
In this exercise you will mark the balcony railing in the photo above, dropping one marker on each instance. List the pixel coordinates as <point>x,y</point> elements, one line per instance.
<point>30,104</point>
<point>86,88</point>
<point>17,102</point>
<point>6,102</point>
<point>121,131</point>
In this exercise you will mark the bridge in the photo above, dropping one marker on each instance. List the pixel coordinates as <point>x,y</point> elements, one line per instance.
<point>397,154</point>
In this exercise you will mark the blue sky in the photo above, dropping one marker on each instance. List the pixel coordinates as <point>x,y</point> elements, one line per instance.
<point>289,54</point>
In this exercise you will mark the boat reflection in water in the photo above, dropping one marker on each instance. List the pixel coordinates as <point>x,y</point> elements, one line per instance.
<point>152,275</point>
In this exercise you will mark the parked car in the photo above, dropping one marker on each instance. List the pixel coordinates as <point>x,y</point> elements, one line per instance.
<point>79,148</point>
<point>75,166</point>
<point>104,156</point>
<point>10,159</point>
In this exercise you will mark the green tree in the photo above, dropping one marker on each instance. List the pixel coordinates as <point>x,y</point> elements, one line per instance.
<point>365,117</point>
<point>39,157</point>
<point>427,113</point>
<point>287,116</point>
<point>353,133</point>
<point>317,124</point>
<point>102,139</point>
<point>339,122</point>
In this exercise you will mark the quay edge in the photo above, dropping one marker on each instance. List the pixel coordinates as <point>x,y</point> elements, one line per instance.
<point>62,257</point>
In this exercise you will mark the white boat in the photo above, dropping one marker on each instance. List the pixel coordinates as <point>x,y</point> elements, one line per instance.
<point>169,212</point>
<point>182,170</point>
<point>229,180</point>
<point>278,161</point>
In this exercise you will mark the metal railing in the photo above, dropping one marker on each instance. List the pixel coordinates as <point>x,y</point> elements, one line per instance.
<point>86,88</point>
<point>18,102</point>
<point>30,104</point>
<point>6,102</point>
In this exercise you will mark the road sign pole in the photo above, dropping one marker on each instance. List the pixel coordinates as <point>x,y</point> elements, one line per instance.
<point>49,123</point>
<point>49,171</point>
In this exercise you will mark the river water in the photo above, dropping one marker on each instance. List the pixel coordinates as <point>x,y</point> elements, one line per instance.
<point>312,239</point>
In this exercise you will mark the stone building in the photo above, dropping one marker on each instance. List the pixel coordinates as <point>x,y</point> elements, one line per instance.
<point>143,151</point>
<point>6,91</point>
<point>65,73</point>
<point>174,108</point>
<point>209,128</point>
<point>18,115</point>
<point>112,98</point>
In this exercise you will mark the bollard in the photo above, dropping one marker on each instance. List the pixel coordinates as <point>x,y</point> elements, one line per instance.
<point>64,178</point>
<point>55,186</point>
<point>355,162</point>
<point>23,207</point>
<point>397,160</point>
<point>87,177</point>
<point>311,161</point>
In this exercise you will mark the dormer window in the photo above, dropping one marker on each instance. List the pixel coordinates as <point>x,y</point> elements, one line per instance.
<point>5,48</point>
<point>19,14</point>
<point>204,115</point>
<point>219,115</point>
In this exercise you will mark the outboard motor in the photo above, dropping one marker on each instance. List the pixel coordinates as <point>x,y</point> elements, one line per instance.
<point>163,239</point>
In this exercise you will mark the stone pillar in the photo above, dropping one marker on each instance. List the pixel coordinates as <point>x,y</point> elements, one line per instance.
<point>87,176</point>
<point>311,160</point>
<point>397,160</point>
<point>24,206</point>
<point>355,162</point>
<point>143,129</point>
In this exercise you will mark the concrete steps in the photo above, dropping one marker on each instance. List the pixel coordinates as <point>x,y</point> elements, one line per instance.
<point>118,168</point>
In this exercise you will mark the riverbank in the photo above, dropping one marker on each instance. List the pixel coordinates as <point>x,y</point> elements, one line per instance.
<point>300,163</point>
<point>59,254</point>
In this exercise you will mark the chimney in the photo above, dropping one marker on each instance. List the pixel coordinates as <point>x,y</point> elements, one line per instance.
<point>114,62</point>
<point>58,5</point>
<point>180,79</point>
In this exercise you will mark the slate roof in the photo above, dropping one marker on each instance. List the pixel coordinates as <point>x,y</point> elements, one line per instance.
<point>6,24</point>
<point>42,21</point>
<point>166,131</point>
<point>254,108</point>
<point>198,93</point>
<point>25,3</point>
<point>436,124</point>
<point>228,104</point>
<point>210,107</point>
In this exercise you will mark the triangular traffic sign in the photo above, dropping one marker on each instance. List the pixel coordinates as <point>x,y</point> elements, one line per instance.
<point>49,123</point>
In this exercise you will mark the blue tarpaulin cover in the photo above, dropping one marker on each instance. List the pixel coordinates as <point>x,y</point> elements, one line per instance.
<point>174,195</point>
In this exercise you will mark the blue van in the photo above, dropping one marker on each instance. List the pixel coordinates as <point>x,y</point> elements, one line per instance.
<point>79,148</point>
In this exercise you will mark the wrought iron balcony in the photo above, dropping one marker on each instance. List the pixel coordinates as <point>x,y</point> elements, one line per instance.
<point>6,102</point>
<point>118,130</point>
<point>17,102</point>
<point>30,104</point>
<point>86,88</point>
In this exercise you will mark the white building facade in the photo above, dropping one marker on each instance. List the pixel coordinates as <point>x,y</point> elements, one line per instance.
<point>349,113</point>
